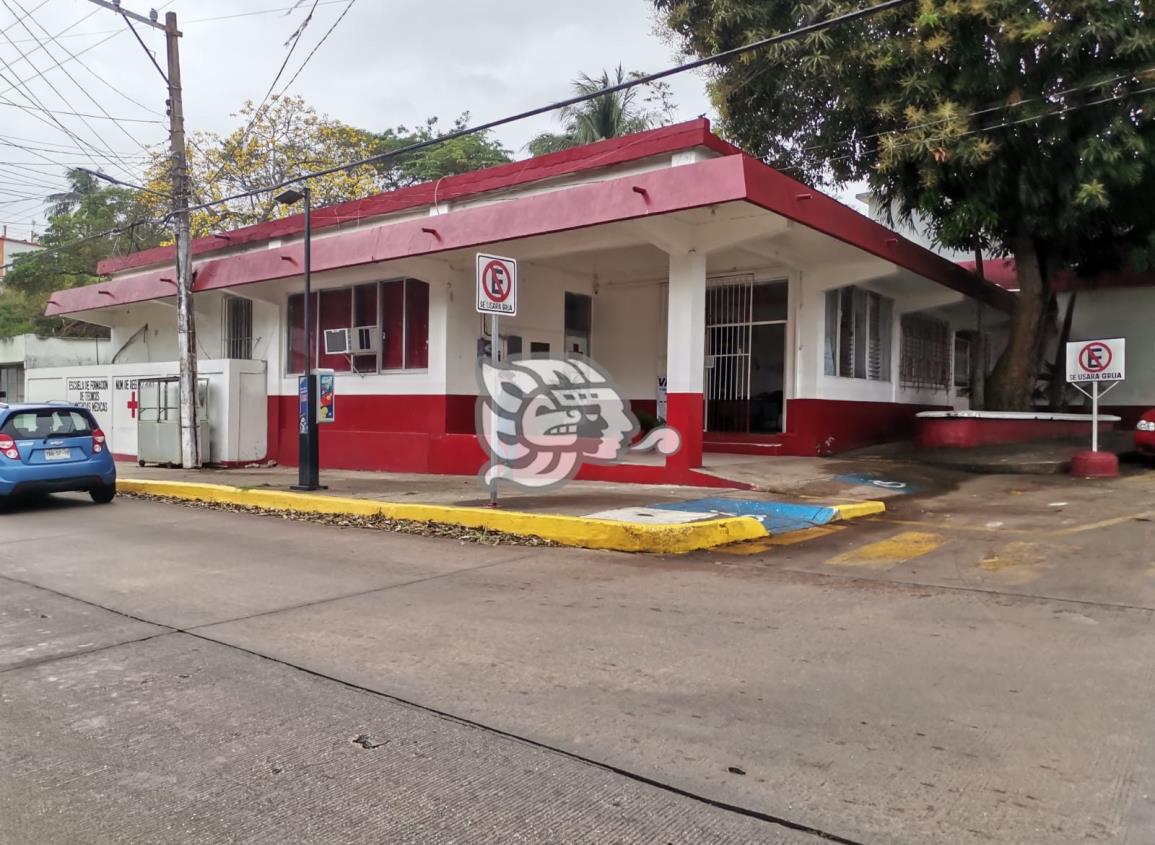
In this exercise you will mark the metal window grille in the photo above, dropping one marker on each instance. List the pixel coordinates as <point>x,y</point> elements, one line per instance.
<point>858,327</point>
<point>926,352</point>
<point>963,354</point>
<point>238,328</point>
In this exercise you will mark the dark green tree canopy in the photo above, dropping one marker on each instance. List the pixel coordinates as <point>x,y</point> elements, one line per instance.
<point>1020,125</point>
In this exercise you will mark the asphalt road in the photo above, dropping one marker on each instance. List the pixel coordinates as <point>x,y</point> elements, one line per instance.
<point>181,675</point>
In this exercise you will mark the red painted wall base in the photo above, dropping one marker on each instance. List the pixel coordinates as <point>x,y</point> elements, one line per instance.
<point>965,432</point>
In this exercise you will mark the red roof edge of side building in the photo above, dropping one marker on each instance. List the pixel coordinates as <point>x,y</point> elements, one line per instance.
<point>602,154</point>
<point>1002,272</point>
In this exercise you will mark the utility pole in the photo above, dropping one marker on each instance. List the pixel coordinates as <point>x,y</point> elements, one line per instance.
<point>185,320</point>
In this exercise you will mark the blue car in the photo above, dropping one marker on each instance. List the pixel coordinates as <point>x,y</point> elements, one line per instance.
<point>54,448</point>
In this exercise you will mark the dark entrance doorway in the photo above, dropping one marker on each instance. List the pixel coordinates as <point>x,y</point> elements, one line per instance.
<point>745,376</point>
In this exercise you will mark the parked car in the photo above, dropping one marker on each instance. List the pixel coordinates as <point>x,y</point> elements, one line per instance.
<point>1145,434</point>
<point>54,448</point>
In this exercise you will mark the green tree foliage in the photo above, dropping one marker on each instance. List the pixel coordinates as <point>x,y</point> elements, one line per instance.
<point>608,116</point>
<point>89,207</point>
<point>1021,126</point>
<point>287,137</point>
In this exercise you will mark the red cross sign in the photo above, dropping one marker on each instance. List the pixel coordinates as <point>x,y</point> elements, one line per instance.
<point>132,405</point>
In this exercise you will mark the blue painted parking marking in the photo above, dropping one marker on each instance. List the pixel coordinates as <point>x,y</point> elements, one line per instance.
<point>777,517</point>
<point>870,479</point>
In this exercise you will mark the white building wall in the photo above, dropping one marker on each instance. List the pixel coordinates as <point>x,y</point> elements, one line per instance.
<point>238,408</point>
<point>30,350</point>
<point>1126,313</point>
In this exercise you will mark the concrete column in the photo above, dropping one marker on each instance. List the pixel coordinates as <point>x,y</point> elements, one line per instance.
<point>685,354</point>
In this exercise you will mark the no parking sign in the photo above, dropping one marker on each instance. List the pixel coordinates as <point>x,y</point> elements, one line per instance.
<point>496,285</point>
<point>1096,360</point>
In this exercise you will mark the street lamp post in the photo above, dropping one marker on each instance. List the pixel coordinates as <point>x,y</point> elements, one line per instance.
<point>308,447</point>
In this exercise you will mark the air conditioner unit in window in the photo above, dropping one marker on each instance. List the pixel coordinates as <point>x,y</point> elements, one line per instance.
<point>366,339</point>
<point>337,341</point>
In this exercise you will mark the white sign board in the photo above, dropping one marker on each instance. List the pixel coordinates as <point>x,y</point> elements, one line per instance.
<point>1096,360</point>
<point>496,285</point>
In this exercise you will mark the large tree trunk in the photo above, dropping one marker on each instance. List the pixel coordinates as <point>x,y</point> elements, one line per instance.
<point>1058,385</point>
<point>1012,382</point>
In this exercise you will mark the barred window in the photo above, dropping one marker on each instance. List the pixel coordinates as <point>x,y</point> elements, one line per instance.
<point>925,356</point>
<point>238,333</point>
<point>963,355</point>
<point>858,326</point>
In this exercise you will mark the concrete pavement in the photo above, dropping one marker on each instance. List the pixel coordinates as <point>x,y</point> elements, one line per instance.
<point>941,694</point>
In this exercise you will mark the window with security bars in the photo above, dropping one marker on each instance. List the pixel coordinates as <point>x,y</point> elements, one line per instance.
<point>925,356</point>
<point>858,329</point>
<point>238,333</point>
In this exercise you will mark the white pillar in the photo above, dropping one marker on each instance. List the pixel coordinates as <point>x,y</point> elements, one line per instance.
<point>686,336</point>
<point>685,353</point>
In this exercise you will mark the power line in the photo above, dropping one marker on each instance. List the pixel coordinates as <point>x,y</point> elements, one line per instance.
<point>317,47</point>
<point>67,73</point>
<point>485,127</point>
<point>35,101</point>
<point>4,101</point>
<point>296,39</point>
<point>212,19</point>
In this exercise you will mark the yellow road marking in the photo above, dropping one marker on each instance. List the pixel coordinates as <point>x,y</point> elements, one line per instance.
<point>754,547</point>
<point>1017,562</point>
<point>946,526</point>
<point>1106,523</point>
<point>889,553</point>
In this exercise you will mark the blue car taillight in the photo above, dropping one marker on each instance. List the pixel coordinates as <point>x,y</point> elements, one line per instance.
<point>8,447</point>
<point>98,441</point>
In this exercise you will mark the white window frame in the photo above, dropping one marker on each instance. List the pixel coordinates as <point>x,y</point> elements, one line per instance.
<point>871,313</point>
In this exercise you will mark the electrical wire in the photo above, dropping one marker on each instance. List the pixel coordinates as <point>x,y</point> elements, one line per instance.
<point>295,38</point>
<point>83,89</point>
<point>184,22</point>
<point>4,101</point>
<point>317,46</point>
<point>485,127</point>
<point>36,101</point>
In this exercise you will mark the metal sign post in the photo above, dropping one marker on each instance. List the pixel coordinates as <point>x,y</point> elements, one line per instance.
<point>1093,362</point>
<point>496,296</point>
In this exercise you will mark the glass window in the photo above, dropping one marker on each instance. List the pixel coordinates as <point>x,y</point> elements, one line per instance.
<point>416,324</point>
<point>334,312</point>
<point>393,317</point>
<point>366,337</point>
<point>578,321</point>
<point>33,425</point>
<point>858,329</point>
<point>770,301</point>
<point>238,328</point>
<point>926,351</point>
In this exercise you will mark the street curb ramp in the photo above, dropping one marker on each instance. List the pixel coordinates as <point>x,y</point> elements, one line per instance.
<point>581,532</point>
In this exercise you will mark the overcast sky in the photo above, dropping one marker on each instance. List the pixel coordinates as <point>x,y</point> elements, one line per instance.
<point>388,62</point>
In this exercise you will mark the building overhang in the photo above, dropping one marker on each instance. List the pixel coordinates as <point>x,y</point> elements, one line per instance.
<point>728,178</point>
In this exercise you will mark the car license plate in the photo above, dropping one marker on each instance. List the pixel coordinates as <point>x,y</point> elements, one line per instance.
<point>57,454</point>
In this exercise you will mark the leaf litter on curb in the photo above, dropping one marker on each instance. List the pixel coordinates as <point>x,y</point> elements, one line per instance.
<point>377,521</point>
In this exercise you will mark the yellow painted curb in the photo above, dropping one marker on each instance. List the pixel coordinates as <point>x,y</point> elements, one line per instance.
<point>858,509</point>
<point>578,531</point>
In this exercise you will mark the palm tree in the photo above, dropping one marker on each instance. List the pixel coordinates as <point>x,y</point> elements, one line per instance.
<point>608,116</point>
<point>81,184</point>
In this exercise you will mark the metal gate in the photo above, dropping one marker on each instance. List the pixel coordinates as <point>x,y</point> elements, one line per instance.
<point>729,331</point>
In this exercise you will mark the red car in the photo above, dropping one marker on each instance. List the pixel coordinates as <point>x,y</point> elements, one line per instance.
<point>1145,434</point>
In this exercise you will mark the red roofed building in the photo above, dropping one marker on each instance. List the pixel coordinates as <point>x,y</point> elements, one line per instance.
<point>753,312</point>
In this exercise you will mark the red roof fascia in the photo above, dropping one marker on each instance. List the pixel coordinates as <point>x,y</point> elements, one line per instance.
<point>667,139</point>
<point>662,192</point>
<point>790,198</point>
<point>726,179</point>
<point>997,271</point>
<point>1002,272</point>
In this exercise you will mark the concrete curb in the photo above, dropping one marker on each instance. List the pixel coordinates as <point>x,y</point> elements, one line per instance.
<point>855,510</point>
<point>581,532</point>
